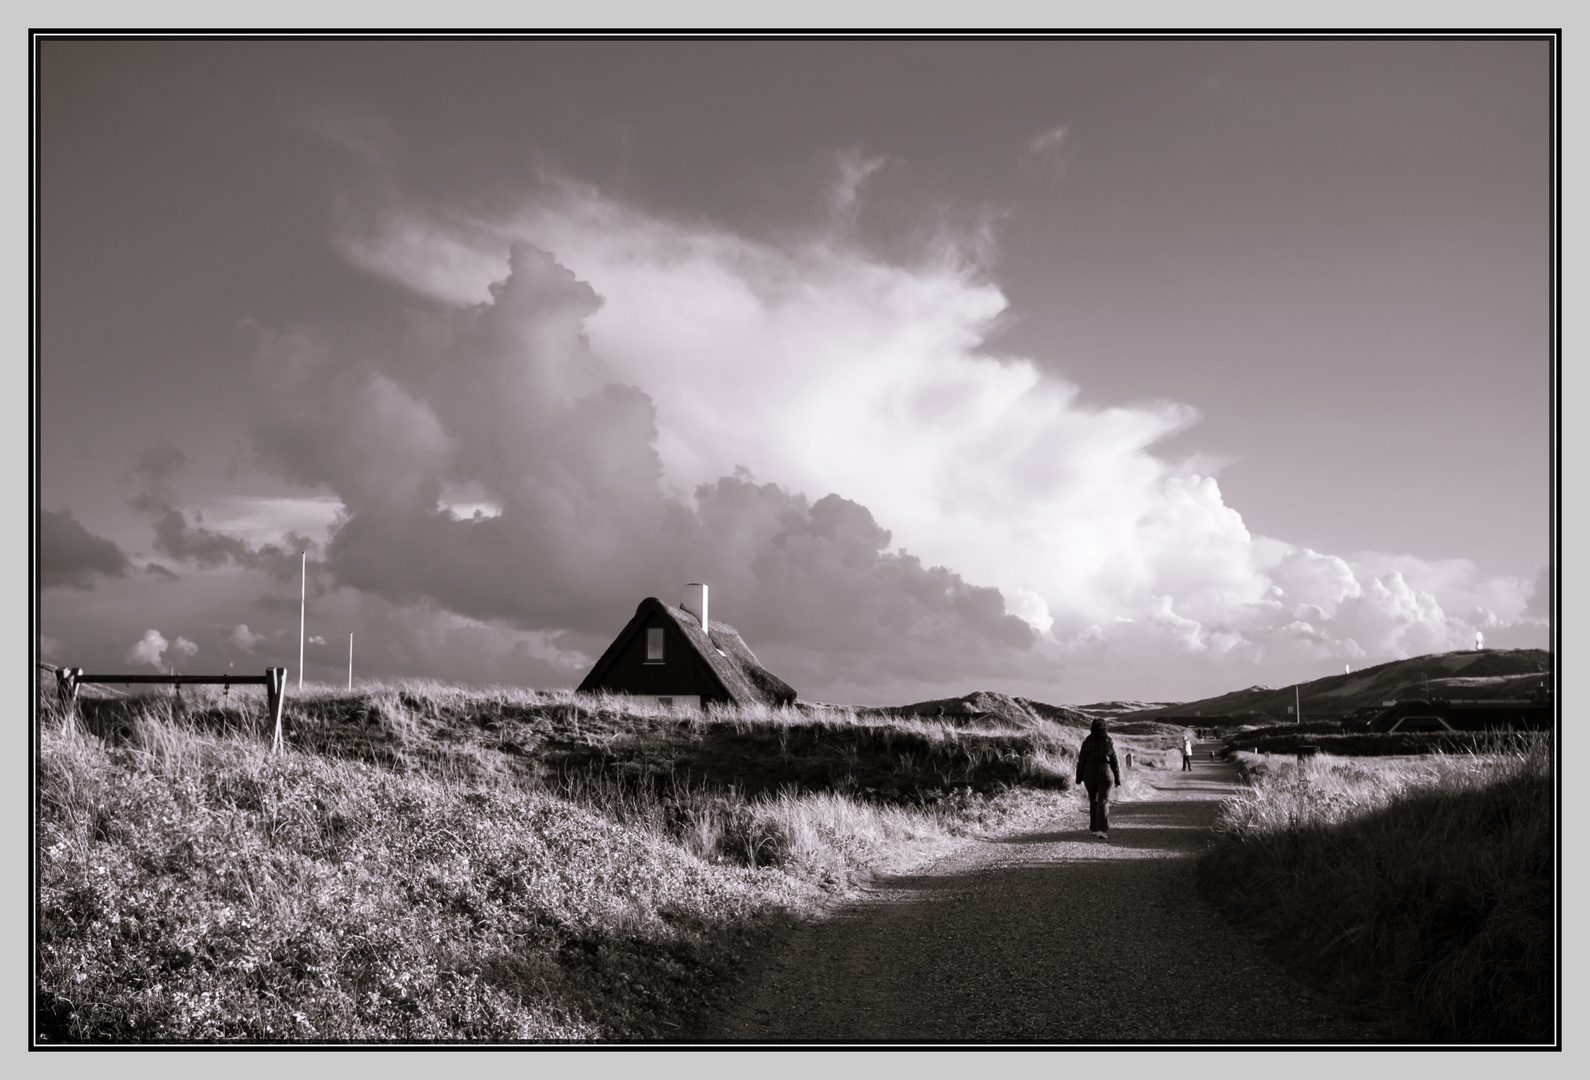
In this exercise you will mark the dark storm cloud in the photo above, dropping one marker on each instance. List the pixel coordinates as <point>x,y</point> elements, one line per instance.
<point>70,555</point>
<point>506,399</point>
<point>823,584</point>
<point>191,542</point>
<point>177,537</point>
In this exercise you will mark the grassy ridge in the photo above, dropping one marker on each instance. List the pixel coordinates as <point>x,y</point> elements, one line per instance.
<point>430,863</point>
<point>1421,890</point>
<point>542,736</point>
<point>1286,740</point>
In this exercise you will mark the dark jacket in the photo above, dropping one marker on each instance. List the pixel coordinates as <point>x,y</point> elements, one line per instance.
<point>1096,760</point>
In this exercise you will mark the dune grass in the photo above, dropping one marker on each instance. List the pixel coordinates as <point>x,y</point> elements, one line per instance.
<point>432,863</point>
<point>1418,889</point>
<point>1287,739</point>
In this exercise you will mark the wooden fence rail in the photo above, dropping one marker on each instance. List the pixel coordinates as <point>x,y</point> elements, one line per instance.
<point>67,680</point>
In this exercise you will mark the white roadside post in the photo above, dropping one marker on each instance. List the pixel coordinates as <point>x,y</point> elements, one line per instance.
<point>303,593</point>
<point>350,660</point>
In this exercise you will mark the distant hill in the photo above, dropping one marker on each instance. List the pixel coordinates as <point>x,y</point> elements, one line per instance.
<point>985,707</point>
<point>1487,673</point>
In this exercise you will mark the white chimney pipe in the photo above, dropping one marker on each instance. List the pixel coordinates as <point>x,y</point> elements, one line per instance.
<point>696,602</point>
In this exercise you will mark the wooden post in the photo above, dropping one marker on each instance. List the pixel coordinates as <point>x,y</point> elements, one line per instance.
<point>66,687</point>
<point>275,692</point>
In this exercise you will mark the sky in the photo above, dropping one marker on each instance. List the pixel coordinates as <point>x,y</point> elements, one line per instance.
<point>1081,370</point>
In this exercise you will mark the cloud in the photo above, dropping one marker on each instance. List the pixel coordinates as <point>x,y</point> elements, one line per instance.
<point>149,649</point>
<point>257,520</point>
<point>855,168</point>
<point>507,399</point>
<point>423,640</point>
<point>184,646</point>
<point>1047,153</point>
<point>71,556</point>
<point>1539,606</point>
<point>191,541</point>
<point>316,639</point>
<point>243,638</point>
<point>615,401</point>
<point>1046,140</point>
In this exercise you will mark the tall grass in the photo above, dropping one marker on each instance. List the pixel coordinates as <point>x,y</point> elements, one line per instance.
<point>198,888</point>
<point>430,863</point>
<point>1421,890</point>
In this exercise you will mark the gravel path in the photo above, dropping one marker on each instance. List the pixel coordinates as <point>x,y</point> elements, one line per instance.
<point>1049,936</point>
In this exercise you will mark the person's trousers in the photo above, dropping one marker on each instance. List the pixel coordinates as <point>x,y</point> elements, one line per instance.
<point>1186,763</point>
<point>1098,804</point>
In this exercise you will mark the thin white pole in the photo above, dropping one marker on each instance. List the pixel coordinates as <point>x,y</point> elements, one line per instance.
<point>1297,698</point>
<point>303,593</point>
<point>350,661</point>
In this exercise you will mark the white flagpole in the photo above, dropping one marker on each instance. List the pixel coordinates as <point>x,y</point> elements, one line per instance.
<point>350,660</point>
<point>303,593</point>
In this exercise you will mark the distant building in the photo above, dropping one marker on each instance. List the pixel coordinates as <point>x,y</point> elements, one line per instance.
<point>676,656</point>
<point>1475,714</point>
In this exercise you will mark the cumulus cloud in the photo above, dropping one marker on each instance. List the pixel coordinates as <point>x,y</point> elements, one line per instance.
<point>149,649</point>
<point>183,646</point>
<point>926,508</point>
<point>243,638</point>
<point>70,555</point>
<point>507,399</point>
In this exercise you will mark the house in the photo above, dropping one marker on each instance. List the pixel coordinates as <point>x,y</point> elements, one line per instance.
<point>676,656</point>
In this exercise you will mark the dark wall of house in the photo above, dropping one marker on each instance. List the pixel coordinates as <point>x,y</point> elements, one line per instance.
<point>680,673</point>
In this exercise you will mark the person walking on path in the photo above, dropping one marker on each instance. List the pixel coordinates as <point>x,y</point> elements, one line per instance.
<point>1098,770</point>
<point>1186,753</point>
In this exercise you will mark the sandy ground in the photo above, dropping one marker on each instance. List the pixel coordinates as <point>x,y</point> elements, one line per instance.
<point>1047,936</point>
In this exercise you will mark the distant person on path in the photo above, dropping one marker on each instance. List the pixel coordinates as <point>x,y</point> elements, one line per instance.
<point>1128,759</point>
<point>1186,753</point>
<point>1097,770</point>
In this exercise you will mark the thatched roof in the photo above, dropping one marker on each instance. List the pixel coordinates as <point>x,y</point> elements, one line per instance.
<point>743,678</point>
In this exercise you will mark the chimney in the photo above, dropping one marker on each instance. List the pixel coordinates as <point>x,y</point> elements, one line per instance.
<point>696,602</point>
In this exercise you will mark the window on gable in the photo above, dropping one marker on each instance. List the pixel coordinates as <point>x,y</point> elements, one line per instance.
<point>654,645</point>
